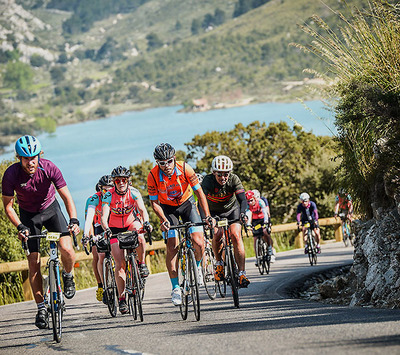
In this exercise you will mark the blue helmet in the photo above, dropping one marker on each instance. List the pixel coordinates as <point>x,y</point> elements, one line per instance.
<point>28,146</point>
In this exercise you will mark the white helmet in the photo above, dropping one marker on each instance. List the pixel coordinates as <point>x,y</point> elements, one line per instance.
<point>256,193</point>
<point>304,196</point>
<point>222,163</point>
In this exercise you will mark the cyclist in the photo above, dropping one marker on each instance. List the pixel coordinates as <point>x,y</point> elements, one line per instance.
<point>307,212</point>
<point>117,215</point>
<point>258,214</point>
<point>344,204</point>
<point>93,227</point>
<point>226,198</point>
<point>35,181</point>
<point>170,184</point>
<point>258,195</point>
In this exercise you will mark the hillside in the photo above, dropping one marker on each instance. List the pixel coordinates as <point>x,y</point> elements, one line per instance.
<point>158,52</point>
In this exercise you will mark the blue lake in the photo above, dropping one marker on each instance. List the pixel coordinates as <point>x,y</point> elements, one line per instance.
<point>86,151</point>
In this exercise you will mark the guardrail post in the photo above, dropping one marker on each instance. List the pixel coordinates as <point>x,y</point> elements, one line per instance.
<point>338,232</point>
<point>298,242</point>
<point>26,286</point>
<point>148,261</point>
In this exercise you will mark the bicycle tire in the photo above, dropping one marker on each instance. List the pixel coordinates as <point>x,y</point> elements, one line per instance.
<point>183,283</point>
<point>110,287</point>
<point>194,284</point>
<point>56,306</point>
<point>259,256</point>
<point>208,264</point>
<point>312,255</point>
<point>266,258</point>
<point>137,294</point>
<point>232,276</point>
<point>221,285</point>
<point>129,291</point>
<point>345,235</point>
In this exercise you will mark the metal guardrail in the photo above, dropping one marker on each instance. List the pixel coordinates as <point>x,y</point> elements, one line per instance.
<point>17,266</point>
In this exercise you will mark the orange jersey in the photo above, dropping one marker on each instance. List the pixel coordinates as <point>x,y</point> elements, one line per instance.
<point>173,190</point>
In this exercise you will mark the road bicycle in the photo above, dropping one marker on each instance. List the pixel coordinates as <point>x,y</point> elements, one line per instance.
<point>187,274</point>
<point>53,295</point>
<point>208,267</point>
<point>135,284</point>
<point>262,257</point>
<point>347,235</point>
<point>231,270</point>
<point>311,244</point>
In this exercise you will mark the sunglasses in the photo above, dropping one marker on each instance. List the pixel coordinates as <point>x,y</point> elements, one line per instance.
<point>121,180</point>
<point>165,162</point>
<point>222,174</point>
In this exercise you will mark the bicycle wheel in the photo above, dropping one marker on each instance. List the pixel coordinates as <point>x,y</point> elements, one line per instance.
<point>56,300</point>
<point>137,294</point>
<point>260,256</point>
<point>232,276</point>
<point>129,290</point>
<point>345,234</point>
<point>266,258</point>
<point>311,247</point>
<point>183,283</point>
<point>110,287</point>
<point>194,284</point>
<point>208,263</point>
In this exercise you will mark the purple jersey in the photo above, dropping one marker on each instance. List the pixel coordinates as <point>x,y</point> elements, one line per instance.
<point>34,192</point>
<point>308,213</point>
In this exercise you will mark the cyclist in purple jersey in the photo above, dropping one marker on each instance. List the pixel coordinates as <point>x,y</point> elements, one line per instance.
<point>35,182</point>
<point>307,212</point>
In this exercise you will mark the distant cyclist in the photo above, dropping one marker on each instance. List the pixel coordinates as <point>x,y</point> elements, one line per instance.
<point>118,206</point>
<point>93,227</point>
<point>226,199</point>
<point>257,214</point>
<point>35,182</point>
<point>307,213</point>
<point>344,204</point>
<point>170,184</point>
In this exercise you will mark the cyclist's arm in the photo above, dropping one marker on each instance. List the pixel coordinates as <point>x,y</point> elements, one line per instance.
<point>202,201</point>
<point>249,216</point>
<point>265,212</point>
<point>241,197</point>
<point>8,202</point>
<point>142,209</point>
<point>69,206</point>
<point>91,210</point>
<point>155,204</point>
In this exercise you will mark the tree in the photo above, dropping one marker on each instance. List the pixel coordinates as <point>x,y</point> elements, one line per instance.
<point>57,74</point>
<point>153,41</point>
<point>195,28</point>
<point>219,17</point>
<point>38,61</point>
<point>18,76</point>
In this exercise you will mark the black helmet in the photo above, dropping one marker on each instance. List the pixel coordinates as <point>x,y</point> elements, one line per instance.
<point>106,180</point>
<point>120,171</point>
<point>342,191</point>
<point>164,151</point>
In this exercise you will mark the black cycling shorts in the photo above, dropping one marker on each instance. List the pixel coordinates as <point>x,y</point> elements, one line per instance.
<point>51,218</point>
<point>230,215</point>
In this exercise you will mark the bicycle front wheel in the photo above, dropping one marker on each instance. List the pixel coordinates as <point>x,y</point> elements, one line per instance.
<point>129,290</point>
<point>208,263</point>
<point>232,275</point>
<point>56,300</point>
<point>260,256</point>
<point>345,234</point>
<point>183,283</point>
<point>194,285</point>
<point>137,292</point>
<point>110,286</point>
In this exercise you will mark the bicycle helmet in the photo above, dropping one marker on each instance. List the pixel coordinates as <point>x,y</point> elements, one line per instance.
<point>105,180</point>
<point>256,193</point>
<point>27,146</point>
<point>164,151</point>
<point>249,195</point>
<point>200,177</point>
<point>342,191</point>
<point>304,197</point>
<point>221,163</point>
<point>120,171</point>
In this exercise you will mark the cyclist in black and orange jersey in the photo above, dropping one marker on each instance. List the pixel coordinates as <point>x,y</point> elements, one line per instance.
<point>226,198</point>
<point>93,227</point>
<point>170,184</point>
<point>117,215</point>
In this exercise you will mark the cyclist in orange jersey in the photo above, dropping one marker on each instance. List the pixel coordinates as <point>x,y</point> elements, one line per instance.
<point>118,206</point>
<point>170,184</point>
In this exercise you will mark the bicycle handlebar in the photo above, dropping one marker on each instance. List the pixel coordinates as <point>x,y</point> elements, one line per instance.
<point>37,236</point>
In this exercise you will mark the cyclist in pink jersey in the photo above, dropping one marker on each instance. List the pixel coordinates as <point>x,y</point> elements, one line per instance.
<point>118,207</point>
<point>93,227</point>
<point>35,181</point>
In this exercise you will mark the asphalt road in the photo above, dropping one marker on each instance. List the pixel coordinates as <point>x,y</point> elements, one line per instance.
<point>267,322</point>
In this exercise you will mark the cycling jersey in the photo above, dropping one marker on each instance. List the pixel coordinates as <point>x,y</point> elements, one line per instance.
<point>172,190</point>
<point>308,213</point>
<point>344,202</point>
<point>35,192</point>
<point>258,211</point>
<point>222,198</point>
<point>94,201</point>
<point>122,207</point>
